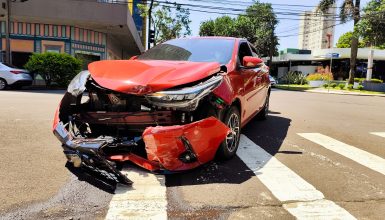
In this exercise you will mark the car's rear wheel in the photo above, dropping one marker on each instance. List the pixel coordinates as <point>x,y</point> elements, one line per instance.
<point>229,146</point>
<point>3,84</point>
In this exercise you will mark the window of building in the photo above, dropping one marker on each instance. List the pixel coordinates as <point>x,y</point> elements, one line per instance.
<point>3,27</point>
<point>63,31</point>
<point>11,28</point>
<point>19,28</point>
<point>46,30</point>
<point>37,29</point>
<point>89,37</point>
<point>53,48</point>
<point>28,28</point>
<point>81,34</point>
<point>55,30</point>
<point>96,38</point>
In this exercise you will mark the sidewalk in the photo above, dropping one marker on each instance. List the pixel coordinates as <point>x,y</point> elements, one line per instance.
<point>342,92</point>
<point>326,91</point>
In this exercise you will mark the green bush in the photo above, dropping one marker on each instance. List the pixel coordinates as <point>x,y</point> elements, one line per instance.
<point>341,86</point>
<point>294,77</point>
<point>333,85</point>
<point>360,87</point>
<point>54,67</point>
<point>359,80</point>
<point>325,85</point>
<point>350,86</point>
<point>320,76</point>
<point>376,81</point>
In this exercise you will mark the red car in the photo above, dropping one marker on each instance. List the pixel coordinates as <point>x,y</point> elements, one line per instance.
<point>177,106</point>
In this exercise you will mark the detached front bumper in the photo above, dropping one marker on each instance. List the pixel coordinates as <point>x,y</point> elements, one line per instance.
<point>168,148</point>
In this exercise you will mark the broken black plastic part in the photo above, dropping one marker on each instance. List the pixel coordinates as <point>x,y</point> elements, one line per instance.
<point>189,155</point>
<point>95,163</point>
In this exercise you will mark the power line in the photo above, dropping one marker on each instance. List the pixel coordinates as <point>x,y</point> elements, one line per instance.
<point>223,10</point>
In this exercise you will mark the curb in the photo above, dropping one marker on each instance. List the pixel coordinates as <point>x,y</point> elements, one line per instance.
<point>334,92</point>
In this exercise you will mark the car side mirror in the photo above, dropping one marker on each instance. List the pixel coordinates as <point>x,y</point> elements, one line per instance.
<point>133,57</point>
<point>251,62</point>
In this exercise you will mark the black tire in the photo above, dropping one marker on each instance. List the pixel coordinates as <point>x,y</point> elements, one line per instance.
<point>3,84</point>
<point>262,115</point>
<point>229,146</point>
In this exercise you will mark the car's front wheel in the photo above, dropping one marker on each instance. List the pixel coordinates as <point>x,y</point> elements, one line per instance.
<point>3,84</point>
<point>229,146</point>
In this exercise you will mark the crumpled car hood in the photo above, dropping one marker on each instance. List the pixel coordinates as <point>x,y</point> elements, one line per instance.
<point>147,76</point>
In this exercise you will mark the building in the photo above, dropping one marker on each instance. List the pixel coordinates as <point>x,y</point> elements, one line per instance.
<point>316,30</point>
<point>88,29</point>
<point>308,61</point>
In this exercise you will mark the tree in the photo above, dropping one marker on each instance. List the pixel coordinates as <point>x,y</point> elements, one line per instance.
<point>168,24</point>
<point>256,25</point>
<point>372,25</point>
<point>54,67</point>
<point>348,9</point>
<point>345,41</point>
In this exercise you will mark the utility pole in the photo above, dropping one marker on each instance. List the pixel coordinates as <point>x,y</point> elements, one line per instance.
<point>271,52</point>
<point>149,24</point>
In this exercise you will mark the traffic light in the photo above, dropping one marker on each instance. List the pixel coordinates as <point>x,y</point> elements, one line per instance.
<point>151,36</point>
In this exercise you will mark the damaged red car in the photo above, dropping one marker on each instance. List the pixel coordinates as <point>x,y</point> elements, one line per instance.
<point>173,108</point>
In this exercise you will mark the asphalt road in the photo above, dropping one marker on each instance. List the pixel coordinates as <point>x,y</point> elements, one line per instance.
<point>316,153</point>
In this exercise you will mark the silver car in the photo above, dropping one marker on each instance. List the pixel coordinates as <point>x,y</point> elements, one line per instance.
<point>13,77</point>
<point>272,81</point>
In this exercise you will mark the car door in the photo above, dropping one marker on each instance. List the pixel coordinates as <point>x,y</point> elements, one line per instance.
<point>262,82</point>
<point>250,82</point>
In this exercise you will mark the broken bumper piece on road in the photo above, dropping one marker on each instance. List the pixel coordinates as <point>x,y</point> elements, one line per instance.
<point>167,148</point>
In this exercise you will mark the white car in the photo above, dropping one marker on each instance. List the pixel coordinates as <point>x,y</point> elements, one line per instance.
<point>13,77</point>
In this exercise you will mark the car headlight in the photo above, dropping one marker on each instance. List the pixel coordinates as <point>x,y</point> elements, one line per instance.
<point>185,98</point>
<point>78,84</point>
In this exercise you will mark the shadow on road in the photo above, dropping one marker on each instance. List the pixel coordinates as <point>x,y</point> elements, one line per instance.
<point>43,91</point>
<point>93,179</point>
<point>268,134</point>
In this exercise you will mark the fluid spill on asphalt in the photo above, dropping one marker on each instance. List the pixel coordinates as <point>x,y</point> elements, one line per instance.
<point>75,200</point>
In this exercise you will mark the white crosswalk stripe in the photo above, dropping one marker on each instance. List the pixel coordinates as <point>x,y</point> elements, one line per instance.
<point>301,199</point>
<point>146,199</point>
<point>362,157</point>
<point>381,134</point>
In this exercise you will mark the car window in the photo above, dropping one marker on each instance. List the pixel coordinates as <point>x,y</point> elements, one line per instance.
<point>192,49</point>
<point>244,50</point>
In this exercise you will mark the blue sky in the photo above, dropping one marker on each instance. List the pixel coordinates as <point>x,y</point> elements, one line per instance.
<point>285,27</point>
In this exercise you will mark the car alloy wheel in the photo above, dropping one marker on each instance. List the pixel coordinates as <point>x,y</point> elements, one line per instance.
<point>3,84</point>
<point>232,138</point>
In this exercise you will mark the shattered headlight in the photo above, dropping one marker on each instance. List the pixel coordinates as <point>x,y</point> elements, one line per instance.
<point>185,98</point>
<point>78,83</point>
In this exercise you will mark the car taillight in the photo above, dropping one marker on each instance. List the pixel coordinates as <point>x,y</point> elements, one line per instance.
<point>16,71</point>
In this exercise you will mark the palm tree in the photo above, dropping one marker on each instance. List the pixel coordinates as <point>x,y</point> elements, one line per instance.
<point>349,9</point>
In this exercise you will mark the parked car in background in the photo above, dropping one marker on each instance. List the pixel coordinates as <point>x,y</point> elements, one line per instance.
<point>272,81</point>
<point>13,77</point>
<point>173,108</point>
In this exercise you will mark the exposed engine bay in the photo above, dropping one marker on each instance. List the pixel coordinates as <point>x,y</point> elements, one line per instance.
<point>170,130</point>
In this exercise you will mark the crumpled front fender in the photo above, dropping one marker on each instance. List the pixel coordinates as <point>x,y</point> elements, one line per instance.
<point>167,144</point>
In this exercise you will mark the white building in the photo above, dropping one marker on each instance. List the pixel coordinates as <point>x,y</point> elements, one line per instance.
<point>316,30</point>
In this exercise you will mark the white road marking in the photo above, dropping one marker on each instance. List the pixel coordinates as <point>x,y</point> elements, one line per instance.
<point>381,134</point>
<point>146,199</point>
<point>362,157</point>
<point>301,199</point>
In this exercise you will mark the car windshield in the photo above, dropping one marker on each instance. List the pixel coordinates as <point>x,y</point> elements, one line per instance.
<point>195,49</point>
